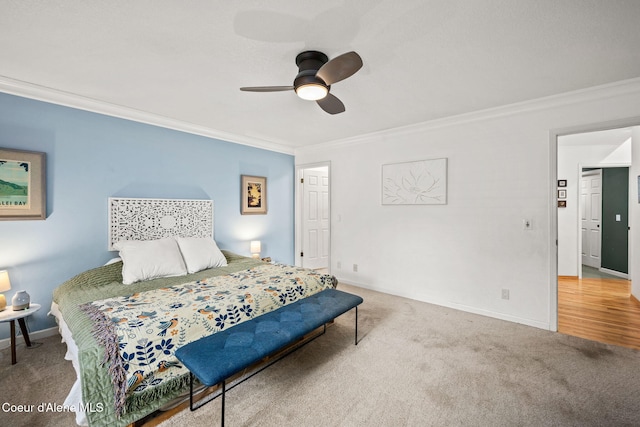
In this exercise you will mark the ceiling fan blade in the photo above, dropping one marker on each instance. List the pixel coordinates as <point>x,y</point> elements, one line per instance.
<point>266,88</point>
<point>340,67</point>
<point>331,104</point>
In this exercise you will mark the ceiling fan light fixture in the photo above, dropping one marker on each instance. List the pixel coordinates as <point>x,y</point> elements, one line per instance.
<point>315,76</point>
<point>312,91</point>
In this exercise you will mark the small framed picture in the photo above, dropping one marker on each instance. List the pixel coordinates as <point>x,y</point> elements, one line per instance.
<point>562,203</point>
<point>562,183</point>
<point>562,194</point>
<point>253,195</point>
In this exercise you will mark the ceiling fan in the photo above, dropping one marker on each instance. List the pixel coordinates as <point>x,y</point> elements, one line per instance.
<point>315,76</point>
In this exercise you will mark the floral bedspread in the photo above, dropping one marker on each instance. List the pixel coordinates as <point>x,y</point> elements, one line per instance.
<point>142,331</point>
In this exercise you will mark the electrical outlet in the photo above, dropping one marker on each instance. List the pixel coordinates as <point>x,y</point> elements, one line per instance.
<point>505,294</point>
<point>355,268</point>
<point>339,265</point>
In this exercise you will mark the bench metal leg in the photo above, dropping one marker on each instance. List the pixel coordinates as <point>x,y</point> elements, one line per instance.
<point>222,393</point>
<point>191,392</point>
<point>224,383</point>
<point>356,325</point>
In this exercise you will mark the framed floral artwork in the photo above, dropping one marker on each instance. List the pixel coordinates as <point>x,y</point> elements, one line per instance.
<point>422,182</point>
<point>253,195</point>
<point>22,185</point>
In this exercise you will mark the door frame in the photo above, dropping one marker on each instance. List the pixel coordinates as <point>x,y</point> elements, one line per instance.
<point>554,134</point>
<point>581,167</point>
<point>299,209</point>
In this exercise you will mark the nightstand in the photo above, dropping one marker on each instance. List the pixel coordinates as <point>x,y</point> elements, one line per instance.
<point>8,315</point>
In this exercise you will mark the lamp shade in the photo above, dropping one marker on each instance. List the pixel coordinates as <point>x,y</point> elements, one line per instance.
<point>5,283</point>
<point>255,246</point>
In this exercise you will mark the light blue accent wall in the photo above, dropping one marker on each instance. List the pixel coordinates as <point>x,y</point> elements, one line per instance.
<point>91,157</point>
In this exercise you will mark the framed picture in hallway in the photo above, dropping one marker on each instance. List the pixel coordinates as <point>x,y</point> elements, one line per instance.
<point>22,185</point>
<point>253,195</point>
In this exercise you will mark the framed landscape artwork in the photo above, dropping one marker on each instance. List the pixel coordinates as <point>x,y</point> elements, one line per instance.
<point>253,195</point>
<point>22,185</point>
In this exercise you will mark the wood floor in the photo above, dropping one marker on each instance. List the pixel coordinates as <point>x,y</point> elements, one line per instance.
<point>600,310</point>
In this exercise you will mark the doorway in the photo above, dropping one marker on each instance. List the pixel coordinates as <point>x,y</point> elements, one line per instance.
<point>583,285</point>
<point>604,221</point>
<point>313,216</point>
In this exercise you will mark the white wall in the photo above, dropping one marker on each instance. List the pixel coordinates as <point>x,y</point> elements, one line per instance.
<point>572,156</point>
<point>464,253</point>
<point>634,215</point>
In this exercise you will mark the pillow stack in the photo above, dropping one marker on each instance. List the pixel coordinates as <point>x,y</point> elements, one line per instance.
<point>167,257</point>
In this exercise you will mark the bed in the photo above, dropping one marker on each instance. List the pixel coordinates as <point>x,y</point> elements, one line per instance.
<point>122,323</point>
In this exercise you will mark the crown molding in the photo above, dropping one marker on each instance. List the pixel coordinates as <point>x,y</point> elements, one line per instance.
<point>623,87</point>
<point>66,99</point>
<point>54,96</point>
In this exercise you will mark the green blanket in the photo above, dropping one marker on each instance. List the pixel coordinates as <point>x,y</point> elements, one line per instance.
<point>103,284</point>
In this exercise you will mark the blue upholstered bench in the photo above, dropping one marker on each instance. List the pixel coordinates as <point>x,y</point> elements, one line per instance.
<point>215,358</point>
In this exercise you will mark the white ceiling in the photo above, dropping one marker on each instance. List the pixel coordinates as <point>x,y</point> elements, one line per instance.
<point>423,60</point>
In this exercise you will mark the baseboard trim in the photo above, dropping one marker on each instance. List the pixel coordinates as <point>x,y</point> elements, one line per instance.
<point>455,306</point>
<point>614,273</point>
<point>33,336</point>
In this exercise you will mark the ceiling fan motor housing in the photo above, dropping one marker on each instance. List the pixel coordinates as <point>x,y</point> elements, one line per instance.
<point>309,62</point>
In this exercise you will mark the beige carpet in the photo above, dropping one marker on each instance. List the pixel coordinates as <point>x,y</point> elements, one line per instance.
<point>40,376</point>
<point>416,364</point>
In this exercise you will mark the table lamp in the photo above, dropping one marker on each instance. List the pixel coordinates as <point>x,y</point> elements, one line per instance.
<point>255,248</point>
<point>5,285</point>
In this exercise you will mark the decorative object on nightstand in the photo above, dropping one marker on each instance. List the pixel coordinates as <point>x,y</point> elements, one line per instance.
<point>255,248</point>
<point>20,301</point>
<point>11,316</point>
<point>5,285</point>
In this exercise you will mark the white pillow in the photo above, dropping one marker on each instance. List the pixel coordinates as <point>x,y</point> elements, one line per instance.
<point>150,259</point>
<point>200,253</point>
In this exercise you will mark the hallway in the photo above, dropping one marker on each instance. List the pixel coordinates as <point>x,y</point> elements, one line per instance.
<point>599,309</point>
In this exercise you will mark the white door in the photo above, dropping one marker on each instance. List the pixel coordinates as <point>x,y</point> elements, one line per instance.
<point>315,221</point>
<point>591,213</point>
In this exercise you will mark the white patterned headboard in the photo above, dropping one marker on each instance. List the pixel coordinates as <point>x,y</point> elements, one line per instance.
<point>150,219</point>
